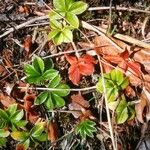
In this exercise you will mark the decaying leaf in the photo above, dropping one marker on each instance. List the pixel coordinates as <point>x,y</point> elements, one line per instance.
<point>81,105</point>
<point>27,45</point>
<point>6,100</point>
<point>52,131</point>
<point>139,108</point>
<point>81,66</point>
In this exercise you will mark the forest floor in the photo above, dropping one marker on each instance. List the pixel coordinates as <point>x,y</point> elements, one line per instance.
<point>112,35</point>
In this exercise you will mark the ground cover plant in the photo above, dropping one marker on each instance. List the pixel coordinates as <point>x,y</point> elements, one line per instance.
<point>74,76</point>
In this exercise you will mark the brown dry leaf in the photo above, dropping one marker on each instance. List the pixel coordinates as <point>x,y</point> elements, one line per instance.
<point>7,57</point>
<point>20,147</point>
<point>139,108</point>
<point>143,56</point>
<point>86,114</point>
<point>52,131</point>
<point>147,82</point>
<point>3,71</point>
<point>27,44</point>
<point>6,100</point>
<point>106,47</point>
<point>78,99</point>
<point>130,92</point>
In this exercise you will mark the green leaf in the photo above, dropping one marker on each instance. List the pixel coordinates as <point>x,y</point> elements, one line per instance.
<point>3,115</point>
<point>64,91</point>
<point>41,98</point>
<point>50,74</point>
<point>43,137</point>
<point>56,25</point>
<point>49,102</point>
<point>30,71</point>
<point>53,15</point>
<point>86,128</point>
<point>3,142</point>
<point>4,133</point>
<point>12,109</point>
<point>38,64</point>
<point>131,112</point>
<point>54,82</point>
<point>17,116</point>
<point>48,63</point>
<point>37,129</point>
<point>59,102</point>
<point>53,33</point>
<point>125,83</point>
<point>21,123</point>
<point>122,112</point>
<point>19,136</point>
<point>78,7</point>
<point>72,19</point>
<point>58,39</point>
<point>60,4</point>
<point>34,80</point>
<point>68,36</point>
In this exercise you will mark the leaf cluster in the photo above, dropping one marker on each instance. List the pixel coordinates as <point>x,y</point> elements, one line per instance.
<point>114,84</point>
<point>63,19</point>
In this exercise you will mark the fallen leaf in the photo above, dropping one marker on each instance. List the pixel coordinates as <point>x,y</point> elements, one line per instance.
<point>81,66</point>
<point>6,100</point>
<point>139,108</point>
<point>52,131</point>
<point>20,147</point>
<point>27,44</point>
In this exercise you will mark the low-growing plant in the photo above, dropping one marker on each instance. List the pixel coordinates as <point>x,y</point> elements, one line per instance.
<point>35,135</point>
<point>115,82</point>
<point>42,73</point>
<point>12,118</point>
<point>3,134</point>
<point>86,128</point>
<point>63,20</point>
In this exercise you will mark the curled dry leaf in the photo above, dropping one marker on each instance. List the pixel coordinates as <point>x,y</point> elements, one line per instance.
<point>139,108</point>
<point>52,131</point>
<point>6,100</point>
<point>81,66</point>
<point>31,113</point>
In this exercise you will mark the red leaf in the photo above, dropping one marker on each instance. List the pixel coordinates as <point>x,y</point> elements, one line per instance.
<point>71,59</point>
<point>113,58</point>
<point>125,54</point>
<point>74,74</point>
<point>86,69</point>
<point>135,67</point>
<point>20,147</point>
<point>87,59</point>
<point>27,44</point>
<point>83,66</point>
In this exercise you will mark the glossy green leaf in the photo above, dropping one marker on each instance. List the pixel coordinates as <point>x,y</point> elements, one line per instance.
<point>64,91</point>
<point>37,129</point>
<point>30,71</point>
<point>124,83</point>
<point>72,19</point>
<point>54,82</point>
<point>50,74</point>
<point>54,15</point>
<point>38,64</point>
<point>41,98</point>
<point>121,112</point>
<point>59,101</point>
<point>49,104</point>
<point>78,7</point>
<point>17,116</point>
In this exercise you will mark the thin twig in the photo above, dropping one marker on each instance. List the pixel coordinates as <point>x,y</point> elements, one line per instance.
<point>107,108</point>
<point>54,89</point>
<point>119,8</point>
